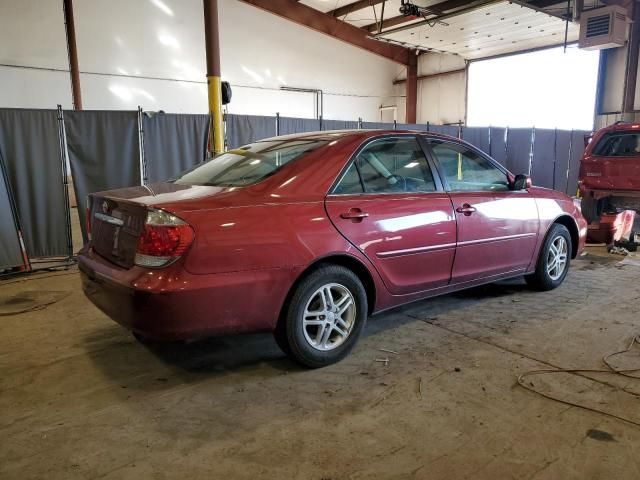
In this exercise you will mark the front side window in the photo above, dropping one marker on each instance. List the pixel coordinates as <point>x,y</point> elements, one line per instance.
<point>466,170</point>
<point>389,165</point>
<point>249,164</point>
<point>618,144</point>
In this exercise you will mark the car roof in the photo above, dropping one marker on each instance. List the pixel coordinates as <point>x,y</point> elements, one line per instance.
<point>364,133</point>
<point>624,126</point>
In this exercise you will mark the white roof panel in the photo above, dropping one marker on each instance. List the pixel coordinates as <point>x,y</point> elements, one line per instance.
<point>494,29</point>
<point>501,27</point>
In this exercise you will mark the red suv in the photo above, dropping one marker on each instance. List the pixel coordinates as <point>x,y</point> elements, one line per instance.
<point>307,235</point>
<point>609,180</point>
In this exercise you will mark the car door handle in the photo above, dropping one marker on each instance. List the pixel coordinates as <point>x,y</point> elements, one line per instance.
<point>466,209</point>
<point>354,214</point>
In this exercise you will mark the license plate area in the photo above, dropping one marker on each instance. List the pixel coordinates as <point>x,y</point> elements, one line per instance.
<point>115,231</point>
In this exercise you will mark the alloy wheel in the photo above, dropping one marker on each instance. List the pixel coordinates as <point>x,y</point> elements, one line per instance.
<point>557,257</point>
<point>329,317</point>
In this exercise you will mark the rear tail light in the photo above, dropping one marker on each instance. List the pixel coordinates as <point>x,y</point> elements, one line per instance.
<point>163,240</point>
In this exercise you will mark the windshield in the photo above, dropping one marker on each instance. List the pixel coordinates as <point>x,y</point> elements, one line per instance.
<point>249,164</point>
<point>618,144</point>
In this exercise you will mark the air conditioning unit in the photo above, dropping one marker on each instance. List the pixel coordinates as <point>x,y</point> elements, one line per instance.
<point>604,27</point>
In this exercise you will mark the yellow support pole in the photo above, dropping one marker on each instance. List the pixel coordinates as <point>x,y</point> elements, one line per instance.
<point>215,110</point>
<point>214,88</point>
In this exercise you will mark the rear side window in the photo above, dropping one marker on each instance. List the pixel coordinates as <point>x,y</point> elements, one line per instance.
<point>249,164</point>
<point>618,144</point>
<point>350,182</point>
<point>389,165</point>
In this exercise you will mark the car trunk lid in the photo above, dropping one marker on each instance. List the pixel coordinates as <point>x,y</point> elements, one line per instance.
<point>117,217</point>
<point>116,225</point>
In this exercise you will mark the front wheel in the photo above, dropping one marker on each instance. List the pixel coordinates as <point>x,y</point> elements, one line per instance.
<point>324,318</point>
<point>553,261</point>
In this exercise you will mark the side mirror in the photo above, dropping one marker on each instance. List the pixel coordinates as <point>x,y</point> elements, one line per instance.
<point>521,182</point>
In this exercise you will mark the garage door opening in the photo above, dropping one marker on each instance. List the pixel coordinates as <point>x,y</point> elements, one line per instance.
<point>546,89</point>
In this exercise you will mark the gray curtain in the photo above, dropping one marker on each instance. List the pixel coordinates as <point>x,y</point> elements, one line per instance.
<point>477,136</point>
<point>339,125</point>
<point>563,145</point>
<point>173,143</point>
<point>30,146</point>
<point>243,129</point>
<point>10,253</point>
<point>379,126</point>
<point>518,150</point>
<point>410,126</point>
<point>577,150</point>
<point>290,125</point>
<point>544,158</point>
<point>451,130</point>
<point>103,151</point>
<point>497,145</point>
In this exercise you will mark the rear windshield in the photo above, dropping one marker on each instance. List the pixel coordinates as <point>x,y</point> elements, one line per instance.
<point>618,144</point>
<point>249,164</point>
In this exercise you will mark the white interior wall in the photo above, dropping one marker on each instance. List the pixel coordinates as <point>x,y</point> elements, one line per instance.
<point>33,36</point>
<point>613,85</point>
<point>151,53</point>
<point>441,99</point>
<point>34,88</point>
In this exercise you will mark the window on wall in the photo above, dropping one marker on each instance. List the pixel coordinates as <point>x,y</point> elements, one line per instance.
<point>545,89</point>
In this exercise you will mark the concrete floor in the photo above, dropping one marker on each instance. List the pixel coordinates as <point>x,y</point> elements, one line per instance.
<point>80,398</point>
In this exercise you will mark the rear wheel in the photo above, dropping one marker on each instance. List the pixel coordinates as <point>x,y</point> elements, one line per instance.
<point>324,318</point>
<point>553,261</point>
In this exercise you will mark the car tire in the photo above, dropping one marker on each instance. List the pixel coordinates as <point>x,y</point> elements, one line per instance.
<point>324,317</point>
<point>553,261</point>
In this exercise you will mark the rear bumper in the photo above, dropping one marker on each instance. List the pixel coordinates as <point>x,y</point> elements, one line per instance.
<point>170,303</point>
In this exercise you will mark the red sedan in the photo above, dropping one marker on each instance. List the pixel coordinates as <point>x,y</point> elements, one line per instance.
<point>307,235</point>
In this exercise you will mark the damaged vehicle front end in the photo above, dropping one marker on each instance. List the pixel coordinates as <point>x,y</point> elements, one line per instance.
<point>609,184</point>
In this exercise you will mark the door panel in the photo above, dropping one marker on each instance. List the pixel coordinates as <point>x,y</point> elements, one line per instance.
<point>497,227</point>
<point>409,238</point>
<point>499,236</point>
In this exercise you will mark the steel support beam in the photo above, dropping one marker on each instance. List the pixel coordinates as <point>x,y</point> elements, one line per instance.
<point>72,50</point>
<point>412,88</point>
<point>433,75</point>
<point>321,22</point>
<point>631,84</point>
<point>437,9</point>
<point>353,7</point>
<point>388,23</point>
<point>212,48</point>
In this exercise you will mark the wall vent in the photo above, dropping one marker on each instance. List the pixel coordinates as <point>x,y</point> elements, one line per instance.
<point>603,28</point>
